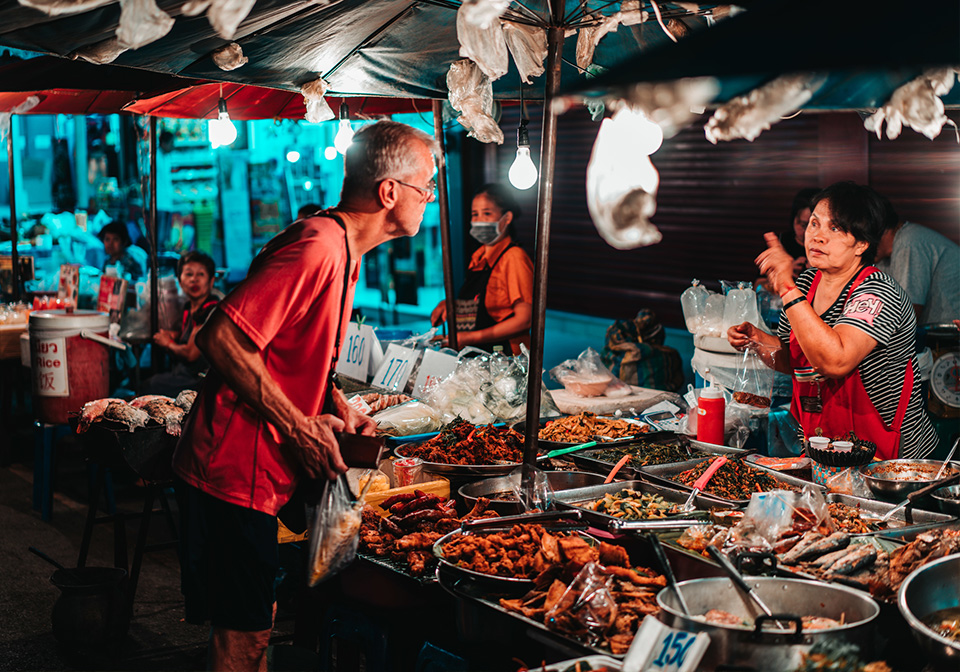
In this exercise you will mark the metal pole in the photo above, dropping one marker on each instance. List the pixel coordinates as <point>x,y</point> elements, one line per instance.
<point>154,241</point>
<point>548,146</point>
<point>13,211</point>
<point>445,243</point>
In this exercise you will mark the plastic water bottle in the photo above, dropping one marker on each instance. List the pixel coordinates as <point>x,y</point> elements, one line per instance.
<point>710,416</point>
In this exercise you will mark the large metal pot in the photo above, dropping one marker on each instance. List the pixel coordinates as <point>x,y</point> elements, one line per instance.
<point>930,588</point>
<point>895,479</point>
<point>745,648</point>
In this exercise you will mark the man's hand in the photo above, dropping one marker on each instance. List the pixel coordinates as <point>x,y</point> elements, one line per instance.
<point>354,422</point>
<point>776,264</point>
<point>314,444</point>
<point>439,314</point>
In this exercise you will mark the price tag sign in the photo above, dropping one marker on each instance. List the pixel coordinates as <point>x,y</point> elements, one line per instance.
<point>358,403</point>
<point>435,367</point>
<point>356,352</point>
<point>49,367</point>
<point>396,367</point>
<point>660,648</point>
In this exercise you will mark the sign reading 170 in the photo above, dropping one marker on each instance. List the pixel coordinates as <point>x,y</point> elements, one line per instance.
<point>395,368</point>
<point>394,372</point>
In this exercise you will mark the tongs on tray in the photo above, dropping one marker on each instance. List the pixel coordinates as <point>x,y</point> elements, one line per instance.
<point>553,520</point>
<point>655,524</point>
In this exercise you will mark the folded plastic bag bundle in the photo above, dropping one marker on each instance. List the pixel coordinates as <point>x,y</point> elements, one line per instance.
<point>586,376</point>
<point>413,417</point>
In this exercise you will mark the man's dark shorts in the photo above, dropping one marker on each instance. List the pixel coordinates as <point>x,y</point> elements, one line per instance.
<point>229,560</point>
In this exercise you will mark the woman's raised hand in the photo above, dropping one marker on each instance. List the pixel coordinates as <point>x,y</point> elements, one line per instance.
<point>776,264</point>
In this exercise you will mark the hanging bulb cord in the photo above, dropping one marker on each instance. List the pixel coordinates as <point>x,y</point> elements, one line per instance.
<point>523,137</point>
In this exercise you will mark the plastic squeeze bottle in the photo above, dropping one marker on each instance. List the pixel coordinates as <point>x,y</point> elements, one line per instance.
<point>710,415</point>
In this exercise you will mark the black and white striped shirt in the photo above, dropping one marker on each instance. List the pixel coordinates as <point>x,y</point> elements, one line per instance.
<point>880,308</point>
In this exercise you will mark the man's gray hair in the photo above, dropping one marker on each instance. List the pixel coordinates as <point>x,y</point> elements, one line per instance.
<point>380,151</point>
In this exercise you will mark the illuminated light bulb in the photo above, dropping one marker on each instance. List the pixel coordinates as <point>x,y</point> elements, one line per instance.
<point>523,172</point>
<point>330,153</point>
<point>645,136</point>
<point>307,185</point>
<point>222,130</point>
<point>345,135</point>
<point>293,156</point>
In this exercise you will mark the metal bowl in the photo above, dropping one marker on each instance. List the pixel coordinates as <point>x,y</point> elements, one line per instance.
<point>559,481</point>
<point>948,499</point>
<point>895,479</point>
<point>928,589</point>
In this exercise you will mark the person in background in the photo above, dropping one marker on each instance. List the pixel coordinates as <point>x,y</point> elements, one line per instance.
<point>925,263</point>
<point>267,412</point>
<point>116,244</point>
<point>846,331</point>
<point>196,272</point>
<point>495,303</point>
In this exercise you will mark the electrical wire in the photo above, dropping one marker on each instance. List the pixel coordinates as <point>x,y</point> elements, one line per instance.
<point>656,10</point>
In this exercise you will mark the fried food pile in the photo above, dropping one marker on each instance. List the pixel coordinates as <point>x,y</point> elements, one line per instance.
<point>139,412</point>
<point>583,427</point>
<point>849,519</point>
<point>734,480</point>
<point>927,547</point>
<point>414,523</point>
<point>461,442</point>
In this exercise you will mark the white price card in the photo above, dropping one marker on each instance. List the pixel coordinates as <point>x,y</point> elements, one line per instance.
<point>435,367</point>
<point>49,367</point>
<point>356,352</point>
<point>659,648</point>
<point>396,367</point>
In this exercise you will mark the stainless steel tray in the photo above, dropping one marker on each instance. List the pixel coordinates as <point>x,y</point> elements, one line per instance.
<point>902,522</point>
<point>479,470</point>
<point>589,461</point>
<point>663,473</point>
<point>575,499</point>
<point>546,445</point>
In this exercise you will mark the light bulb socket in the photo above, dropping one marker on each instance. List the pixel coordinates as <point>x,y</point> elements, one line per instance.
<point>344,112</point>
<point>222,106</point>
<point>523,136</point>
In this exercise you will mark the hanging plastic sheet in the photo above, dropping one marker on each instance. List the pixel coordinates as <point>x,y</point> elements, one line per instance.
<point>486,47</point>
<point>590,36</point>
<point>60,7</point>
<point>916,104</point>
<point>230,57</point>
<point>141,22</point>
<point>483,13</point>
<point>317,108</point>
<point>225,16</point>
<point>528,46</point>
<point>471,94</point>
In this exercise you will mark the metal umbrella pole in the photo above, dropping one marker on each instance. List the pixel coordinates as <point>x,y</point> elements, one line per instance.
<point>445,244</point>
<point>544,207</point>
<point>13,213</point>
<point>154,265</point>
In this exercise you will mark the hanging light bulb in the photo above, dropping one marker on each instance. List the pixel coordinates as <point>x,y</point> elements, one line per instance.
<point>222,130</point>
<point>330,153</point>
<point>293,156</point>
<point>523,172</point>
<point>345,135</point>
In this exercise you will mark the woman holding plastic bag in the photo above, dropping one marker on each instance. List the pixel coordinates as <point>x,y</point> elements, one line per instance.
<point>495,303</point>
<point>846,330</point>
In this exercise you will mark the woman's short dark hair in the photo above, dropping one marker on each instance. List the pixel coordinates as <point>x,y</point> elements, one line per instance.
<point>803,199</point>
<point>504,198</point>
<point>197,257</point>
<point>119,229</point>
<point>858,210</point>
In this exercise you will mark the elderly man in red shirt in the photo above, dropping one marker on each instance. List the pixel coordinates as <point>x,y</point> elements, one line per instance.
<point>268,410</point>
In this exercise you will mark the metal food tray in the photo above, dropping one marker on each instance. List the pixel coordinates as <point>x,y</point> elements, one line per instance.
<point>662,473</point>
<point>554,445</point>
<point>571,498</point>
<point>588,461</point>
<point>482,470</point>
<point>911,519</point>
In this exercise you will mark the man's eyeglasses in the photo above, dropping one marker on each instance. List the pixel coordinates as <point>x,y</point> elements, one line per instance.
<point>430,191</point>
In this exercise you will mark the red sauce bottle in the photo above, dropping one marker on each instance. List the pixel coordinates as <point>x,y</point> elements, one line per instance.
<point>710,416</point>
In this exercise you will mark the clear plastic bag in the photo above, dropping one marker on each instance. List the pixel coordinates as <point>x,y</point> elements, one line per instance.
<point>916,104</point>
<point>586,376</point>
<point>484,45</point>
<point>712,322</point>
<point>482,13</point>
<point>772,516</point>
<point>754,385</point>
<point>313,97</point>
<point>471,94</point>
<point>586,609</point>
<point>141,22</point>
<point>740,306</point>
<point>229,57</point>
<point>693,301</point>
<point>849,482</point>
<point>333,532</point>
<point>541,496</point>
<point>590,37</point>
<point>412,417</point>
<point>528,46</point>
<point>225,16</point>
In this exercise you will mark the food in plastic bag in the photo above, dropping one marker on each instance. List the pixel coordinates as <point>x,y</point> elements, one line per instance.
<point>229,57</point>
<point>225,16</point>
<point>334,532</point>
<point>540,497</point>
<point>586,609</point>
<point>484,45</point>
<point>471,94</point>
<point>590,37</point>
<point>528,46</point>
<point>739,306</point>
<point>313,97</point>
<point>849,482</point>
<point>916,104</point>
<point>622,182</point>
<point>142,22</point>
<point>413,417</point>
<point>754,378</point>
<point>775,520</point>
<point>748,116</point>
<point>693,301</point>
<point>586,376</point>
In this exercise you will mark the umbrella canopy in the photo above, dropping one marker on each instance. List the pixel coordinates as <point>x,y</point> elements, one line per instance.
<point>390,48</point>
<point>868,47</point>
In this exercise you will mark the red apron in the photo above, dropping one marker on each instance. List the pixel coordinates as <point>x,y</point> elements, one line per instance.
<point>844,403</point>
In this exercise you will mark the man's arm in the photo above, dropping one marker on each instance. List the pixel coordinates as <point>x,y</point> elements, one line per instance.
<point>236,359</point>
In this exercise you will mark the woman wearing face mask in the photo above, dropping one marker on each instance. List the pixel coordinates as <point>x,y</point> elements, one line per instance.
<point>495,303</point>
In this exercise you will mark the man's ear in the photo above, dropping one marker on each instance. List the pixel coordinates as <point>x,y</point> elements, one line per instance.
<point>388,192</point>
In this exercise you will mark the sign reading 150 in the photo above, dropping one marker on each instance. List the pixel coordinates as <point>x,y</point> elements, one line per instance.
<point>396,368</point>
<point>355,349</point>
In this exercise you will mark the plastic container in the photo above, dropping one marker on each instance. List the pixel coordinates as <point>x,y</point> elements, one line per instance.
<point>68,370</point>
<point>820,442</point>
<point>843,446</point>
<point>407,470</point>
<point>711,410</point>
<point>694,302</point>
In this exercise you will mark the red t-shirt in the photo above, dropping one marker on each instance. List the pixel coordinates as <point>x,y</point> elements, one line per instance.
<point>288,305</point>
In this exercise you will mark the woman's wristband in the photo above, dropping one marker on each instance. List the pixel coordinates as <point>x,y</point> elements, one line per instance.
<point>788,289</point>
<point>794,302</point>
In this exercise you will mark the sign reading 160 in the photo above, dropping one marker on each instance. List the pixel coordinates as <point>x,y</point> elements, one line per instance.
<point>355,349</point>
<point>392,375</point>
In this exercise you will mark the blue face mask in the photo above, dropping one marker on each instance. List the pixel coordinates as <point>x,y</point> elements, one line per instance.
<point>485,233</point>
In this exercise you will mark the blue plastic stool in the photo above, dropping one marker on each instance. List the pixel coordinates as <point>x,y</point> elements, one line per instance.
<point>45,437</point>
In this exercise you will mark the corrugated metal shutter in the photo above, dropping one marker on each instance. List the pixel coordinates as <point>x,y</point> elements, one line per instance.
<point>714,204</point>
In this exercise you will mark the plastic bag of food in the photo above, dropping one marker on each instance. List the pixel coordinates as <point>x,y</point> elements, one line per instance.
<point>586,609</point>
<point>849,482</point>
<point>711,323</point>
<point>586,376</point>
<point>528,46</point>
<point>754,385</point>
<point>142,22</point>
<point>740,306</point>
<point>334,531</point>
<point>412,417</point>
<point>540,497</point>
<point>693,301</point>
<point>778,515</point>
<point>484,45</point>
<point>471,94</point>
